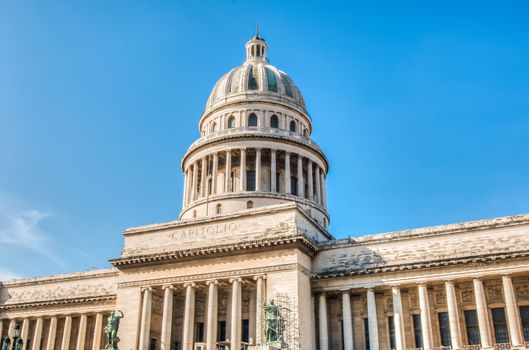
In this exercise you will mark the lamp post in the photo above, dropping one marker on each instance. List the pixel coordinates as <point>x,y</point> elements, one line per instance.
<point>17,341</point>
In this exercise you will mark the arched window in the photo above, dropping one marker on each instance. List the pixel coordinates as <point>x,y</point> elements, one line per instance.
<point>231,122</point>
<point>292,126</point>
<point>194,213</point>
<point>213,127</point>
<point>218,209</point>
<point>305,132</point>
<point>271,80</point>
<point>249,205</point>
<point>274,121</point>
<point>252,120</point>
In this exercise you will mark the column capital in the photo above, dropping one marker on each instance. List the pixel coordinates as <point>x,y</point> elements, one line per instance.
<point>235,279</point>
<point>256,277</point>
<point>258,148</point>
<point>506,275</point>
<point>208,282</point>
<point>345,291</point>
<point>189,284</point>
<point>422,284</point>
<point>168,286</point>
<point>370,289</point>
<point>273,150</point>
<point>147,289</point>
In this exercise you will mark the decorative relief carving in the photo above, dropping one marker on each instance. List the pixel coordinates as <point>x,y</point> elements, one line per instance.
<point>522,291</point>
<point>413,300</point>
<point>200,304</point>
<point>157,303</point>
<point>388,304</point>
<point>467,295</point>
<point>494,293</point>
<point>439,297</point>
<point>246,302</point>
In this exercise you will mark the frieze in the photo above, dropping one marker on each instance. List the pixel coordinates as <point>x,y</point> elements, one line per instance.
<point>59,292</point>
<point>467,296</point>
<point>207,276</point>
<point>439,298</point>
<point>522,291</point>
<point>157,304</point>
<point>97,300</point>
<point>494,293</point>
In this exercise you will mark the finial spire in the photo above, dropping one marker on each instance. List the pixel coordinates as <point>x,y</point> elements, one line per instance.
<point>256,28</point>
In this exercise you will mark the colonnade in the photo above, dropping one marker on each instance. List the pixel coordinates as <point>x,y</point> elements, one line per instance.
<point>201,178</point>
<point>44,333</point>
<point>189,290</point>
<point>485,330</point>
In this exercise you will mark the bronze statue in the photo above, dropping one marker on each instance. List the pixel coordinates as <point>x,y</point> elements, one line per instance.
<point>111,330</point>
<point>274,323</point>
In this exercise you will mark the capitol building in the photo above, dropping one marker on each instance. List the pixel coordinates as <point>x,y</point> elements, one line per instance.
<point>251,264</point>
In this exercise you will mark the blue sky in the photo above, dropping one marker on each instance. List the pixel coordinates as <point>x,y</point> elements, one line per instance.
<point>421,107</point>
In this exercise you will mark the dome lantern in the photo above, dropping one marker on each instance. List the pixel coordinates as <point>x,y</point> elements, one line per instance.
<point>256,48</point>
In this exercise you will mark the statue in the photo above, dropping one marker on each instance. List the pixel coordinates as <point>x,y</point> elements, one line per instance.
<point>111,330</point>
<point>274,324</point>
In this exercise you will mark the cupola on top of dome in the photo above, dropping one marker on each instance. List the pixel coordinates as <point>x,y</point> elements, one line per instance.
<point>255,80</point>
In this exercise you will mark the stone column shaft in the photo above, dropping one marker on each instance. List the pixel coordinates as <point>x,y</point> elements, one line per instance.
<point>453,315</point>
<point>301,185</point>
<point>214,182</point>
<point>323,322</point>
<point>398,319</point>
<point>313,322</point>
<point>195,182</point>
<point>189,317</point>
<point>227,178</point>
<point>426,319</point>
<point>258,169</point>
<point>259,317</point>
<point>513,314</point>
<point>372,319</point>
<point>184,192</point>
<point>273,171</point>
<point>66,333</point>
<point>167,317</point>
<point>145,326</point>
<point>52,334</point>
<point>236,307</point>
<point>24,333</point>
<point>347,321</point>
<point>37,337</point>
<point>318,185</point>
<point>242,184</point>
<point>204,178</point>
<point>81,336</point>
<point>483,314</point>
<point>310,181</point>
<point>98,328</point>
<point>323,189</point>
<point>287,173</point>
<point>213,302</point>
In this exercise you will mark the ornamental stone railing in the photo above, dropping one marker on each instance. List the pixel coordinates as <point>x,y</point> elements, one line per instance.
<point>251,130</point>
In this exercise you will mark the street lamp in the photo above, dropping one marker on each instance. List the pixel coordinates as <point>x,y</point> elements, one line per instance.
<point>17,341</point>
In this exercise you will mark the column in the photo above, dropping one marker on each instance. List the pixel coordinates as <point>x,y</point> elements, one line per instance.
<point>323,322</point>
<point>215,173</point>
<point>453,315</point>
<point>37,337</point>
<point>227,178</point>
<point>24,333</point>
<point>426,319</point>
<point>145,326</point>
<point>483,314</point>
<point>372,319</point>
<point>252,317</point>
<point>301,185</point>
<point>513,314</point>
<point>213,304</point>
<point>167,317</point>
<point>81,335</point>
<point>66,333</point>
<point>323,189</point>
<point>273,171</point>
<point>96,344</point>
<point>52,333</point>
<point>309,180</point>
<point>184,191</point>
<point>189,184</point>
<point>260,300</point>
<point>318,188</point>
<point>313,322</point>
<point>398,319</point>
<point>287,173</point>
<point>242,183</point>
<point>195,182</point>
<point>189,317</point>
<point>258,169</point>
<point>10,329</point>
<point>347,321</point>
<point>204,178</point>
<point>236,306</point>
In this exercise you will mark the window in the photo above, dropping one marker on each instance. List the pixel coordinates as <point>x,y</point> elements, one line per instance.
<point>152,344</point>
<point>249,205</point>
<point>271,79</point>
<point>252,78</point>
<point>292,126</point>
<point>250,180</point>
<point>500,325</point>
<point>231,122</point>
<point>213,127</point>
<point>472,326</point>
<point>221,334</point>
<point>218,209</point>
<point>444,329</point>
<point>274,121</point>
<point>245,331</point>
<point>294,185</point>
<point>199,332</point>
<point>524,314</point>
<point>252,120</point>
<point>366,333</point>
<point>194,213</point>
<point>288,86</point>
<point>417,330</point>
<point>391,331</point>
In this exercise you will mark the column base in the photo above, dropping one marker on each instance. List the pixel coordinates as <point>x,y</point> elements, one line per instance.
<point>263,347</point>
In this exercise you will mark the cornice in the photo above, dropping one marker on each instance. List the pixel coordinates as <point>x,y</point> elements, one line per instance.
<point>295,241</point>
<point>88,299</point>
<point>478,225</point>
<point>484,258</point>
<point>76,276</point>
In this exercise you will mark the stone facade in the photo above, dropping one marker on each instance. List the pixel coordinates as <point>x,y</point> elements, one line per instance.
<point>254,230</point>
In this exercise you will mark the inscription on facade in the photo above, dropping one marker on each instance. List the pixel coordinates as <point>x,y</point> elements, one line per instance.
<point>204,232</point>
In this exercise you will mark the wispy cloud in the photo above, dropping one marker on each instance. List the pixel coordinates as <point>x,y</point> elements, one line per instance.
<point>22,229</point>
